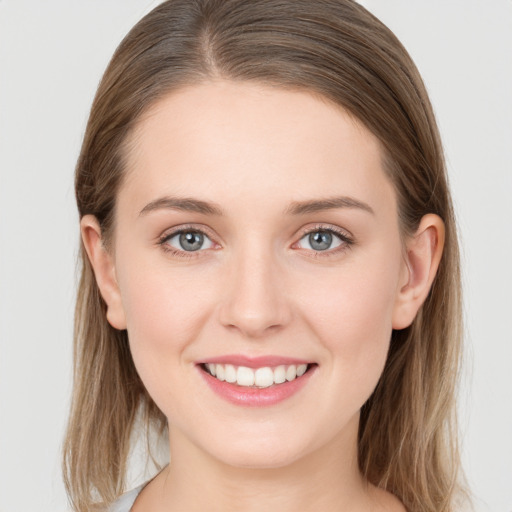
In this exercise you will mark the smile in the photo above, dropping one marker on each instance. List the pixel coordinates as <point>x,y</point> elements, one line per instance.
<point>263,377</point>
<point>256,382</point>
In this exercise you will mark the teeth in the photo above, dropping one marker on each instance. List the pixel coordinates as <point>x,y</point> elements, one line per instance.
<point>301,369</point>
<point>264,377</point>
<point>260,377</point>
<point>291,372</point>
<point>280,374</point>
<point>244,376</point>
<point>230,373</point>
<point>211,368</point>
<point>220,372</point>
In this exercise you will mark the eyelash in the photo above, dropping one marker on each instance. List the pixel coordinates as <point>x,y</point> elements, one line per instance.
<point>175,252</point>
<point>346,241</point>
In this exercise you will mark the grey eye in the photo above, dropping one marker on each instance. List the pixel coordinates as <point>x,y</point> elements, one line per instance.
<point>189,241</point>
<point>320,240</point>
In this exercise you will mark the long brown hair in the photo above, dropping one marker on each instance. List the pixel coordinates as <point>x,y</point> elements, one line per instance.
<point>334,48</point>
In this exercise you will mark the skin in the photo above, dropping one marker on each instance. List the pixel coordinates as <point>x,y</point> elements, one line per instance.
<point>257,287</point>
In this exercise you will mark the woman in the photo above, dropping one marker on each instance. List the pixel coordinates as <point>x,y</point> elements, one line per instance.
<point>270,267</point>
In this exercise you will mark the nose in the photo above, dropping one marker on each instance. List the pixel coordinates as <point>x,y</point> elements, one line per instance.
<point>255,297</point>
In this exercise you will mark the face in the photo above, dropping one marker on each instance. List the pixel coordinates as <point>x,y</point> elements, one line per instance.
<point>256,228</point>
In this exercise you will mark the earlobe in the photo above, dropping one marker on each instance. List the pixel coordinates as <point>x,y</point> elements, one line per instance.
<point>423,255</point>
<point>104,270</point>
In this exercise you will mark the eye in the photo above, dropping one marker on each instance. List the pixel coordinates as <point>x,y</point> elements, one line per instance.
<point>323,239</point>
<point>188,240</point>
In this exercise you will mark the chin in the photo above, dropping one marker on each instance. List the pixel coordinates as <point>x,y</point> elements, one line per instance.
<point>259,454</point>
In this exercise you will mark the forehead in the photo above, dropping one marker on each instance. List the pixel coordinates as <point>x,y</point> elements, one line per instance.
<point>264,143</point>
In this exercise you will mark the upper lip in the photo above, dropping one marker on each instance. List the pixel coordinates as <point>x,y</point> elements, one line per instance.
<point>254,362</point>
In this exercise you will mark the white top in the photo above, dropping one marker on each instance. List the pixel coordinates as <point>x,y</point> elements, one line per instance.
<point>125,502</point>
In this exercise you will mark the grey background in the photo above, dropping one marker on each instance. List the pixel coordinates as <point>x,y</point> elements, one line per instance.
<point>52,55</point>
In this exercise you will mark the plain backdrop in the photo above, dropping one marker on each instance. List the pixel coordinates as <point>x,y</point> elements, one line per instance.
<point>52,55</point>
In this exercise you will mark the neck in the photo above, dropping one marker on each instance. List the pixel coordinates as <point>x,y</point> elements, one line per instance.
<point>326,479</point>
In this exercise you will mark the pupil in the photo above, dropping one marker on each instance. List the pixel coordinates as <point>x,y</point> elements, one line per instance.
<point>320,240</point>
<point>191,241</point>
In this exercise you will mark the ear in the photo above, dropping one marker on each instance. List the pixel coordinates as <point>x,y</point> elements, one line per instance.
<point>102,262</point>
<point>421,261</point>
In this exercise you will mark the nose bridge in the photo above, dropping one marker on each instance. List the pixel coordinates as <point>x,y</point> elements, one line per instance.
<point>255,300</point>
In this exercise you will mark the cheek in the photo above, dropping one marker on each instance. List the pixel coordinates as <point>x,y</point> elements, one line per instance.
<point>352,317</point>
<point>165,312</point>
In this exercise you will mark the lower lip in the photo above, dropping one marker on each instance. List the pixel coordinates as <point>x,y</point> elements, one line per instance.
<point>256,397</point>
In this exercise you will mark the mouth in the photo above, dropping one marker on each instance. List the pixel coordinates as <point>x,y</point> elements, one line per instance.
<point>257,381</point>
<point>258,378</point>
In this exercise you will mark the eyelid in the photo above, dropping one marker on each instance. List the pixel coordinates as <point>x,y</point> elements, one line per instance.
<point>345,237</point>
<point>199,228</point>
<point>344,234</point>
<point>184,228</point>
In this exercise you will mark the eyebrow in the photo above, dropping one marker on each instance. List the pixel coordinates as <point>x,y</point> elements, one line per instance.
<point>190,204</point>
<point>330,203</point>
<point>186,204</point>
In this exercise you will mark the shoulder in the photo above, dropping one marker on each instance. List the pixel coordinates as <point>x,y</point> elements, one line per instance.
<point>125,502</point>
